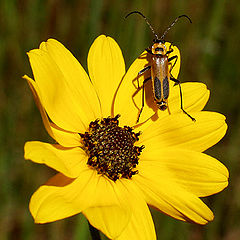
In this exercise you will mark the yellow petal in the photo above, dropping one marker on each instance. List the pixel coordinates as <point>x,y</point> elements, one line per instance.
<point>180,131</point>
<point>77,80</point>
<point>62,197</point>
<point>110,211</point>
<point>196,172</point>
<point>194,97</point>
<point>115,223</point>
<point>111,220</point>
<point>106,68</point>
<point>64,138</point>
<point>55,94</point>
<point>141,225</point>
<point>168,197</point>
<point>69,161</point>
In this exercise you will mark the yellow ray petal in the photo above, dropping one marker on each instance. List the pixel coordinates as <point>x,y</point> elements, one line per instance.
<point>112,220</point>
<point>62,197</point>
<point>77,80</point>
<point>130,90</point>
<point>55,94</point>
<point>110,211</point>
<point>69,161</point>
<point>196,172</point>
<point>106,68</point>
<point>180,131</point>
<point>194,96</point>
<point>64,138</point>
<point>170,198</point>
<point>141,225</point>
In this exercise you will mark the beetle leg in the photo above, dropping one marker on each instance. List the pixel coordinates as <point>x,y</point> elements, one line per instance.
<point>141,72</point>
<point>172,58</point>
<point>144,70</point>
<point>170,49</point>
<point>181,97</point>
<point>140,112</point>
<point>149,51</point>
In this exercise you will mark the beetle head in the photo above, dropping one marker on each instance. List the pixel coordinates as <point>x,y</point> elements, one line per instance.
<point>159,48</point>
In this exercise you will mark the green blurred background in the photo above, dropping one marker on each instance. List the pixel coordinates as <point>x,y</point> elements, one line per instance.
<point>210,54</point>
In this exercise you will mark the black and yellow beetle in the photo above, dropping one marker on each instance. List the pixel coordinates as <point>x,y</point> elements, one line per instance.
<point>159,66</point>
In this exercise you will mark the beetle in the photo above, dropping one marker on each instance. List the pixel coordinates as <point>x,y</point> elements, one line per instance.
<point>159,66</point>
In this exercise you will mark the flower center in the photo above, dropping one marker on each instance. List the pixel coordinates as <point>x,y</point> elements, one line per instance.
<point>111,148</point>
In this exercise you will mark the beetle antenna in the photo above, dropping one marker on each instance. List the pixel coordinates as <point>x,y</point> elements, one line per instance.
<point>173,23</point>
<point>150,26</point>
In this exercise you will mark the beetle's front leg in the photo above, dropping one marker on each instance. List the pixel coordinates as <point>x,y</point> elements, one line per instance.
<point>140,112</point>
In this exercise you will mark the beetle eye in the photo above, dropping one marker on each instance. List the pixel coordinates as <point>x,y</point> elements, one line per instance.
<point>159,49</point>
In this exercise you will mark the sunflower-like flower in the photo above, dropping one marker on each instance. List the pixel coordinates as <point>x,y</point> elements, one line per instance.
<point>110,168</point>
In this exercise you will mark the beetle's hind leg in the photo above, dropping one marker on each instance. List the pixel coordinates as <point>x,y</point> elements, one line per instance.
<point>181,98</point>
<point>170,59</point>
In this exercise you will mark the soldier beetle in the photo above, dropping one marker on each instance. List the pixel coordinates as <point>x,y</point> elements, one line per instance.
<point>159,66</point>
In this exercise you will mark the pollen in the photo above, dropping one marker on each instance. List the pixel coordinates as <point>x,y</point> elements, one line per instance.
<point>111,148</point>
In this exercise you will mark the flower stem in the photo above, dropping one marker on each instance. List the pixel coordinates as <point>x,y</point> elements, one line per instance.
<point>94,232</point>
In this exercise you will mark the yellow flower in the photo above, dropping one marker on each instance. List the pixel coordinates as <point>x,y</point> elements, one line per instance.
<point>104,172</point>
